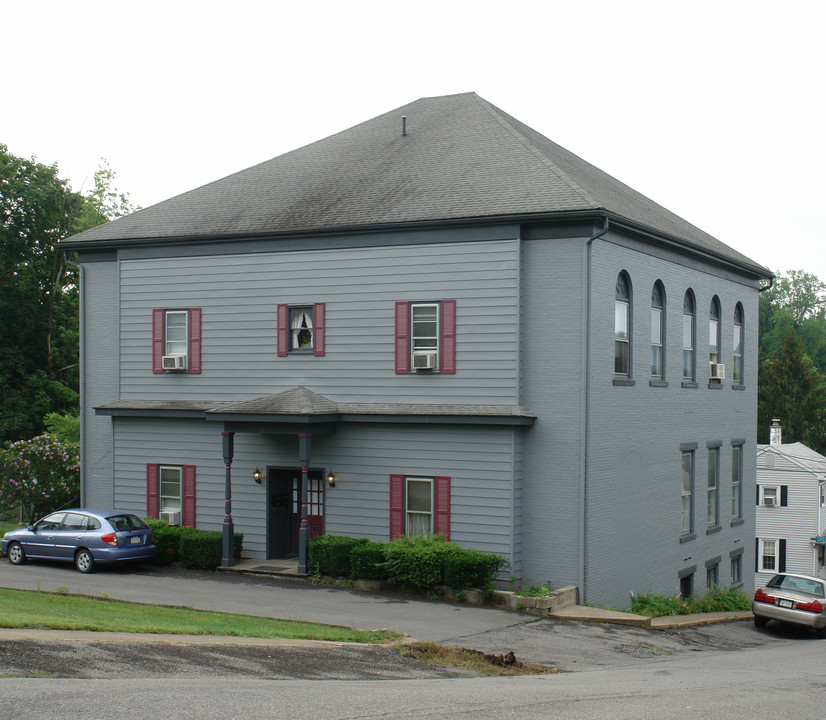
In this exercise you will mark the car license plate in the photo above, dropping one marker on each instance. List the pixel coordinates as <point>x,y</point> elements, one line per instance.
<point>136,540</point>
<point>785,603</point>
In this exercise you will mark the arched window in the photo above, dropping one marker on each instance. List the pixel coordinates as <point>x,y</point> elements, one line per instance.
<point>688,336</point>
<point>622,326</point>
<point>657,330</point>
<point>714,368</point>
<point>737,345</point>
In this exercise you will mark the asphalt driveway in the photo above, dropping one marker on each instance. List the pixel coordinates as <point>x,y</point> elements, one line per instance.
<point>564,644</point>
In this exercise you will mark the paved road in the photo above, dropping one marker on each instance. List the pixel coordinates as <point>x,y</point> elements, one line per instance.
<point>568,645</point>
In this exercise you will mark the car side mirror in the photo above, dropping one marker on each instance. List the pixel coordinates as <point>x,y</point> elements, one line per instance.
<point>30,528</point>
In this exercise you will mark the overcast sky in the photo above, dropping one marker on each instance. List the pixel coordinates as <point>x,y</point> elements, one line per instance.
<point>713,109</point>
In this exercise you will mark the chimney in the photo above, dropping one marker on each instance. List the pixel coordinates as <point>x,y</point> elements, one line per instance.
<point>775,432</point>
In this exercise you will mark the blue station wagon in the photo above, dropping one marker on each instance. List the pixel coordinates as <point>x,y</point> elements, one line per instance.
<point>84,537</point>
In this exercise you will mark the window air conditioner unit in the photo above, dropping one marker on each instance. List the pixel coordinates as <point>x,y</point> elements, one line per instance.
<point>768,501</point>
<point>173,517</point>
<point>718,371</point>
<point>174,362</point>
<point>424,361</point>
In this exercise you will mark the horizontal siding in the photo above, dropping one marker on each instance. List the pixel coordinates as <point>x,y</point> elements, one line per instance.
<point>239,295</point>
<point>797,522</point>
<point>478,461</point>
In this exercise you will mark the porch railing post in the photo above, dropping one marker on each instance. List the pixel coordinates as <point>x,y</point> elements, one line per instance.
<point>228,553</point>
<point>304,527</point>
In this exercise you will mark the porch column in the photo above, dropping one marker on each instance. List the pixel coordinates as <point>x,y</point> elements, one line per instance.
<point>228,554</point>
<point>304,527</point>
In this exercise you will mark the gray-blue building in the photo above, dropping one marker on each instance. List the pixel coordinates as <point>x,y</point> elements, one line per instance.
<point>465,327</point>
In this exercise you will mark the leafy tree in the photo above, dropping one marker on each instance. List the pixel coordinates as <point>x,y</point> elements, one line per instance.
<point>792,390</point>
<point>65,428</point>
<point>800,293</point>
<point>39,290</point>
<point>38,476</point>
<point>38,373</point>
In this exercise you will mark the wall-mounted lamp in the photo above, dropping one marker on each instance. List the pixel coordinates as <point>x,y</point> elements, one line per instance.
<point>332,478</point>
<point>258,476</point>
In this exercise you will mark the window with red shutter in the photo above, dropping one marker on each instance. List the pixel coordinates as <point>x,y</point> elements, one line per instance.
<point>301,329</point>
<point>176,341</point>
<point>419,506</point>
<point>425,337</point>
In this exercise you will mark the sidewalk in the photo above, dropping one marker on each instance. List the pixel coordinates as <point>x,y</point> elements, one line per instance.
<point>288,568</point>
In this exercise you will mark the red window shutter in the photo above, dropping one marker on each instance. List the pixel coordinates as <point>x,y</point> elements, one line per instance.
<point>447,344</point>
<point>157,340</point>
<point>152,491</point>
<point>188,519</point>
<point>318,329</point>
<point>195,341</point>
<point>402,338</point>
<point>396,506</point>
<point>441,513</point>
<point>282,331</point>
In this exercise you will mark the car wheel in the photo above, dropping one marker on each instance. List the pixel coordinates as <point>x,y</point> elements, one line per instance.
<point>821,633</point>
<point>84,561</point>
<point>760,622</point>
<point>17,555</point>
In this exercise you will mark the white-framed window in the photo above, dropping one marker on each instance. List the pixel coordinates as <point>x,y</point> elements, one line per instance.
<point>657,330</point>
<point>170,488</point>
<point>622,326</point>
<point>687,492</point>
<point>822,494</point>
<point>301,328</point>
<point>769,495</point>
<point>418,505</point>
<point>688,336</point>
<point>424,336</point>
<point>737,345</point>
<point>767,562</point>
<point>736,481</point>
<point>176,332</point>
<point>713,485</point>
<point>714,334</point>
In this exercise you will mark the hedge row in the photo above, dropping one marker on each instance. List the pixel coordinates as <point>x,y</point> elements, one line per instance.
<point>194,549</point>
<point>425,562</point>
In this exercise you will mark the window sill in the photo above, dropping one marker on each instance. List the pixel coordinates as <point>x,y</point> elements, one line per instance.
<point>690,384</point>
<point>658,383</point>
<point>738,521</point>
<point>687,538</point>
<point>624,382</point>
<point>300,351</point>
<point>713,529</point>
<point>738,386</point>
<point>715,385</point>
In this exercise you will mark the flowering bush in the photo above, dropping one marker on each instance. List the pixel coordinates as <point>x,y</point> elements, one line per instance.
<point>38,476</point>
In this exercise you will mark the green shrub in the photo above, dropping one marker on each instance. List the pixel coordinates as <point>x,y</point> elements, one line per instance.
<point>330,554</point>
<point>194,549</point>
<point>715,600</point>
<point>167,540</point>
<point>369,561</point>
<point>472,568</point>
<point>204,549</point>
<point>419,560</point>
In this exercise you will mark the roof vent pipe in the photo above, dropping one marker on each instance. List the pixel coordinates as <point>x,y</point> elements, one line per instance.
<point>404,125</point>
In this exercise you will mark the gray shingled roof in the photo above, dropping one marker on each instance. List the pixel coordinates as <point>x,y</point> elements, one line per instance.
<point>301,402</point>
<point>461,159</point>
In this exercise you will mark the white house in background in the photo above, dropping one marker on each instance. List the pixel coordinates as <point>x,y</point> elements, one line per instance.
<point>791,509</point>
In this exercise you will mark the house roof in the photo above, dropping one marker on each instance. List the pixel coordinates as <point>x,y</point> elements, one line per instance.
<point>461,159</point>
<point>301,403</point>
<point>798,454</point>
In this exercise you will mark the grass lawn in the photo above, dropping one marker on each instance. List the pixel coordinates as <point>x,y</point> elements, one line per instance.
<point>6,526</point>
<point>57,611</point>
